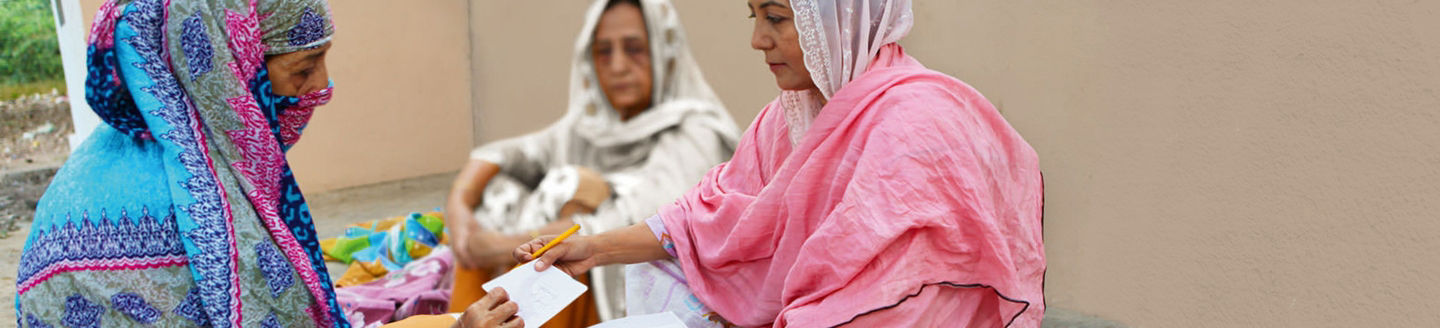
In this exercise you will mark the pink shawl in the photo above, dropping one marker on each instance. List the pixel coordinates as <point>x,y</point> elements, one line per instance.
<point>907,178</point>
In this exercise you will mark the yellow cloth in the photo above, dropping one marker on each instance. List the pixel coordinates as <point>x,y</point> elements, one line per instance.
<point>361,272</point>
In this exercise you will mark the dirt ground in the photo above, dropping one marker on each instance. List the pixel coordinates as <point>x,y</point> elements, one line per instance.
<point>34,133</point>
<point>46,117</point>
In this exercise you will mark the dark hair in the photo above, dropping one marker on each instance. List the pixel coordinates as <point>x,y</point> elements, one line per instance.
<point>613,3</point>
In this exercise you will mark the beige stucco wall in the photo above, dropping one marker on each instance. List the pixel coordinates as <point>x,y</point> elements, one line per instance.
<point>1208,163</point>
<point>1221,163</point>
<point>402,95</point>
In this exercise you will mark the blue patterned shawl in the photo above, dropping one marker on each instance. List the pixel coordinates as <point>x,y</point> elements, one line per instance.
<point>182,209</point>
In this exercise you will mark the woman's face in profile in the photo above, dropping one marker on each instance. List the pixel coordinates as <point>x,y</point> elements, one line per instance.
<point>298,73</point>
<point>775,35</point>
<point>621,51</point>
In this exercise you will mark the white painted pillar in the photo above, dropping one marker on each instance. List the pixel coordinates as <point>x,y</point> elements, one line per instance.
<point>70,27</point>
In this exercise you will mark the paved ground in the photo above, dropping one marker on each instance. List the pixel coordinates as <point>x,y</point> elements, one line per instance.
<point>34,131</point>
<point>1062,318</point>
<point>34,134</point>
<point>333,210</point>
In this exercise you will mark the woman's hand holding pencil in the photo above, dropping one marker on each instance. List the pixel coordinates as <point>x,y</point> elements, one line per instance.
<point>574,256</point>
<point>578,254</point>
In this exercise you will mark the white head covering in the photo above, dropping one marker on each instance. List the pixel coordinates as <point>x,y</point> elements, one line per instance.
<point>679,95</point>
<point>679,90</point>
<point>839,38</point>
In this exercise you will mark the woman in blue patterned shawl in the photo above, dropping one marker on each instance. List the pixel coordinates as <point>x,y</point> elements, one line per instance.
<point>181,210</point>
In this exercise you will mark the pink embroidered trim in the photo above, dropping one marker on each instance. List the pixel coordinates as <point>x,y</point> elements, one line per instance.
<point>102,30</point>
<point>262,159</point>
<point>291,122</point>
<point>100,265</point>
<point>294,119</point>
<point>245,43</point>
<point>262,166</point>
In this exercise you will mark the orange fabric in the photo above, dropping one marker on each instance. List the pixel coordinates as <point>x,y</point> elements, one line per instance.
<point>424,321</point>
<point>468,290</point>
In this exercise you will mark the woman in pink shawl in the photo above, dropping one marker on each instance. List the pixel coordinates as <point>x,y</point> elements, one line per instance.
<point>872,192</point>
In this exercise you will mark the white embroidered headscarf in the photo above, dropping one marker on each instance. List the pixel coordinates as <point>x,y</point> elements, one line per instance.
<point>839,38</point>
<point>679,93</point>
<point>679,90</point>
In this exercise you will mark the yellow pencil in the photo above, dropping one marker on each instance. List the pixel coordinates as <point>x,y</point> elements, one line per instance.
<point>552,243</point>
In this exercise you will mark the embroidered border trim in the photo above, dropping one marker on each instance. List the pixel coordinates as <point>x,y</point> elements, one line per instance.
<point>106,245</point>
<point>216,264</point>
<point>813,44</point>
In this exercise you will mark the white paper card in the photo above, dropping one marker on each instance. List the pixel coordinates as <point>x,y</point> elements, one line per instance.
<point>540,295</point>
<point>656,320</point>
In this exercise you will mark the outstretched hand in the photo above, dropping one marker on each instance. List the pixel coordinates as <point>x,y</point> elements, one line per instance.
<point>574,255</point>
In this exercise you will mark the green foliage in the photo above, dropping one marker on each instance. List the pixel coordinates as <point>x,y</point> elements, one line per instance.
<point>29,52</point>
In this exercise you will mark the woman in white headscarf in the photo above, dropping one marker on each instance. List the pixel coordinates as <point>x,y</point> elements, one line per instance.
<point>872,192</point>
<point>642,127</point>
